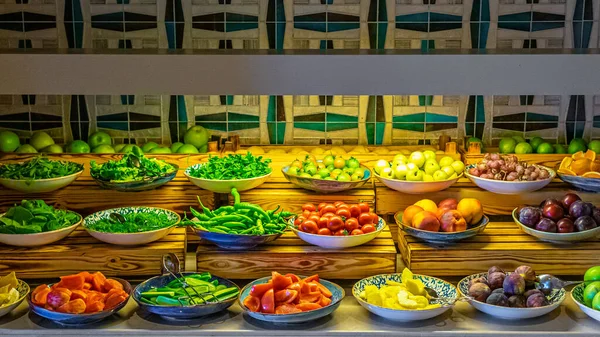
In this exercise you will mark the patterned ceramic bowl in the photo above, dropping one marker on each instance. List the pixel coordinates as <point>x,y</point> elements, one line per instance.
<point>149,183</point>
<point>23,289</point>
<point>582,183</point>
<point>557,237</point>
<point>441,287</point>
<point>577,296</point>
<point>337,242</point>
<point>130,239</point>
<point>510,187</point>
<point>235,241</point>
<point>441,238</point>
<point>554,301</point>
<point>225,186</point>
<point>301,317</point>
<point>326,186</point>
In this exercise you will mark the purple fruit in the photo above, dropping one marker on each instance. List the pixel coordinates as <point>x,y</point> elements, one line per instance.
<point>569,199</point>
<point>579,209</point>
<point>517,301</point>
<point>550,201</point>
<point>584,223</point>
<point>497,299</point>
<point>553,211</point>
<point>533,292</point>
<point>527,273</point>
<point>596,215</point>
<point>479,291</point>
<point>494,269</point>
<point>478,280</point>
<point>536,301</point>
<point>514,284</point>
<point>496,279</point>
<point>530,216</point>
<point>499,291</point>
<point>546,225</point>
<point>565,225</point>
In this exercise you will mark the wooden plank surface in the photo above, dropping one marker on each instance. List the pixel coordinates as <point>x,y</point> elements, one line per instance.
<point>503,244</point>
<point>79,251</point>
<point>290,254</point>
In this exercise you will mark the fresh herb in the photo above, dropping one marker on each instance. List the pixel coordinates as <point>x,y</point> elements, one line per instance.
<point>231,167</point>
<point>39,168</point>
<point>35,216</point>
<point>137,222</point>
<point>133,166</point>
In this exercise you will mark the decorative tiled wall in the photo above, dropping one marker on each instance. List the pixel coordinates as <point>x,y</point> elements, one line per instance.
<point>301,24</point>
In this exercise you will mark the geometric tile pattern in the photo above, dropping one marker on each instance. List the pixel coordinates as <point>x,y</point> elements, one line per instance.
<point>301,24</point>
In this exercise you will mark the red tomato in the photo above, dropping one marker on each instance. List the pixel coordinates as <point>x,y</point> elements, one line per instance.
<point>364,219</point>
<point>368,228</point>
<point>328,215</point>
<point>306,213</point>
<point>343,212</point>
<point>335,224</point>
<point>341,232</point>
<point>337,204</point>
<point>324,231</point>
<point>357,232</point>
<point>354,210</point>
<point>314,217</point>
<point>267,302</point>
<point>299,220</point>
<point>321,205</point>
<point>252,303</point>
<point>310,226</point>
<point>323,221</point>
<point>375,218</point>
<point>286,296</point>
<point>280,281</point>
<point>259,289</point>
<point>364,207</point>
<point>351,224</point>
<point>327,209</point>
<point>314,213</point>
<point>309,207</point>
<point>287,308</point>
<point>343,206</point>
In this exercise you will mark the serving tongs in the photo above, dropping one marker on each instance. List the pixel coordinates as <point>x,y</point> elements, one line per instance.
<point>171,264</point>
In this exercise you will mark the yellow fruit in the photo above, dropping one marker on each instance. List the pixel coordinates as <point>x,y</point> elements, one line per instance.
<point>591,175</point>
<point>415,287</point>
<point>427,204</point>
<point>578,155</point>
<point>256,150</point>
<point>566,171</point>
<point>595,166</point>
<point>338,150</point>
<point>277,151</point>
<point>422,301</point>
<point>406,275</point>
<point>591,155</point>
<point>381,150</point>
<point>296,150</point>
<point>566,163</point>
<point>317,151</point>
<point>581,166</point>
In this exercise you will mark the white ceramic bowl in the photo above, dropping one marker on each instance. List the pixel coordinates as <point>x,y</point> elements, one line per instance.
<point>130,239</point>
<point>510,187</point>
<point>225,186</point>
<point>554,300</point>
<point>557,237</point>
<point>416,187</point>
<point>38,239</point>
<point>39,185</point>
<point>338,242</point>
<point>577,297</point>
<point>23,289</point>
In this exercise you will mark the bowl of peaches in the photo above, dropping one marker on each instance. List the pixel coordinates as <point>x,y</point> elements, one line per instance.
<point>446,222</point>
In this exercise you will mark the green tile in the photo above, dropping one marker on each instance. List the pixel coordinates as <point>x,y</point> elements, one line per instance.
<point>316,126</point>
<point>413,118</point>
<point>409,126</point>
<point>438,118</point>
<point>238,117</point>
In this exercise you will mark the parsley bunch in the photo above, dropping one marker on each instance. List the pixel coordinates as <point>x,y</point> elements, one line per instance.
<point>132,167</point>
<point>39,168</point>
<point>232,167</point>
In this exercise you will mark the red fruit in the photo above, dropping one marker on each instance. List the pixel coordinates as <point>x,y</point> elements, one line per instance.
<point>324,231</point>
<point>565,225</point>
<point>553,211</point>
<point>357,232</point>
<point>568,199</point>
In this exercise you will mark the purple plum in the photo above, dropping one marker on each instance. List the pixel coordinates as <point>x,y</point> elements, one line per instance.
<point>585,223</point>
<point>530,216</point>
<point>579,209</point>
<point>546,225</point>
<point>514,284</point>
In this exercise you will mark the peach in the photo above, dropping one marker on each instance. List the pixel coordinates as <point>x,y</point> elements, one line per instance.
<point>449,203</point>
<point>471,210</point>
<point>427,205</point>
<point>452,221</point>
<point>426,221</point>
<point>409,213</point>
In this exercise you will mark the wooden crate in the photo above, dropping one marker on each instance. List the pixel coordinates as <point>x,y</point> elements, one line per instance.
<point>548,160</point>
<point>289,254</point>
<point>79,251</point>
<point>502,244</point>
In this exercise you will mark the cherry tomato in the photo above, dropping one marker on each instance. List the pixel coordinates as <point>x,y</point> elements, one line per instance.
<point>375,218</point>
<point>368,228</point>
<point>344,206</point>
<point>355,210</point>
<point>328,215</point>
<point>306,213</point>
<point>323,221</point>
<point>365,219</point>
<point>314,218</point>
<point>299,220</point>
<point>324,231</point>
<point>327,209</point>
<point>337,204</point>
<point>309,207</point>
<point>357,232</point>
<point>321,205</point>
<point>343,212</point>
<point>364,207</point>
<point>335,224</point>
<point>310,226</point>
<point>351,224</point>
<point>341,232</point>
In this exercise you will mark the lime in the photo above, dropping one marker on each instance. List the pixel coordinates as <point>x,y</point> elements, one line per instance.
<point>523,148</point>
<point>507,145</point>
<point>590,292</point>
<point>535,142</point>
<point>592,274</point>
<point>559,148</point>
<point>594,145</point>
<point>149,146</point>
<point>596,302</point>
<point>576,145</point>
<point>545,148</point>
<point>519,139</point>
<point>9,141</point>
<point>77,146</point>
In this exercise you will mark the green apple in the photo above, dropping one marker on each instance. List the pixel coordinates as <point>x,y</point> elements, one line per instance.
<point>358,170</point>
<point>305,175</point>
<point>149,146</point>
<point>417,158</point>
<point>431,165</point>
<point>446,161</point>
<point>161,149</point>
<point>429,155</point>
<point>387,173</point>
<point>99,138</point>
<point>356,177</point>
<point>453,176</point>
<point>415,175</point>
<point>293,170</point>
<point>448,169</point>
<point>458,166</point>
<point>440,175</point>
<point>412,166</point>
<point>175,146</point>
<point>428,177</point>
<point>596,302</point>
<point>590,291</point>
<point>323,173</point>
<point>400,172</point>
<point>54,148</point>
<point>127,148</point>
<point>9,141</point>
<point>344,177</point>
<point>77,146</point>
<point>187,149</point>
<point>203,148</point>
<point>380,165</point>
<point>399,159</point>
<point>26,148</point>
<point>316,176</point>
<point>40,140</point>
<point>119,147</point>
<point>197,136</point>
<point>104,148</point>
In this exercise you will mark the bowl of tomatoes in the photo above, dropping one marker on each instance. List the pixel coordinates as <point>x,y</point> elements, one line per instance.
<point>338,225</point>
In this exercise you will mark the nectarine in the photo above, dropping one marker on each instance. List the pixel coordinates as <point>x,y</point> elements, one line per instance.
<point>449,203</point>
<point>427,205</point>
<point>452,221</point>
<point>409,213</point>
<point>426,221</point>
<point>471,210</point>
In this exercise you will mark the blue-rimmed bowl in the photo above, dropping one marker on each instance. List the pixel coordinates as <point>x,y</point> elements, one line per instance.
<point>326,186</point>
<point>131,239</point>
<point>560,238</point>
<point>554,300</point>
<point>79,319</point>
<point>180,312</point>
<point>23,289</point>
<point>301,317</point>
<point>148,183</point>
<point>441,287</point>
<point>338,242</point>
<point>582,183</point>
<point>225,186</point>
<point>442,238</point>
<point>235,241</point>
<point>577,297</point>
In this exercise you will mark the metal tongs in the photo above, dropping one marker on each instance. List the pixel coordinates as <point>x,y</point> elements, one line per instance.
<point>171,264</point>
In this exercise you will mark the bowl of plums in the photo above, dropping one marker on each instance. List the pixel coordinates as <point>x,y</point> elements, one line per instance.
<point>569,219</point>
<point>505,174</point>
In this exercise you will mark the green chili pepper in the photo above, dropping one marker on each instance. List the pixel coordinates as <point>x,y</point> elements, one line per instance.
<point>236,196</point>
<point>205,209</point>
<point>255,208</point>
<point>271,212</point>
<point>221,228</point>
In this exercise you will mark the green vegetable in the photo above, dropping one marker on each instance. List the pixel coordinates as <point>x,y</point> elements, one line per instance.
<point>232,167</point>
<point>39,168</point>
<point>135,222</point>
<point>35,216</point>
<point>134,166</point>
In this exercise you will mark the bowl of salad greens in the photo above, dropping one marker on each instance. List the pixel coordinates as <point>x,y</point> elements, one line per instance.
<point>129,226</point>
<point>34,223</point>
<point>221,174</point>
<point>133,172</point>
<point>39,175</point>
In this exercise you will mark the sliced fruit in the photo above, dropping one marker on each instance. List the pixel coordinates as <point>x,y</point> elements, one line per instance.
<point>591,155</point>
<point>566,171</point>
<point>591,175</point>
<point>578,155</point>
<point>406,275</point>
<point>566,163</point>
<point>595,166</point>
<point>581,166</point>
